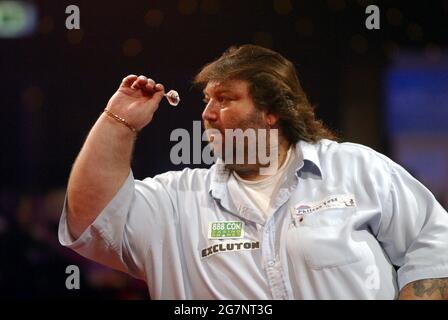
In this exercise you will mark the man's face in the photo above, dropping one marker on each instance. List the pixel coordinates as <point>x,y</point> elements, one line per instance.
<point>229,105</point>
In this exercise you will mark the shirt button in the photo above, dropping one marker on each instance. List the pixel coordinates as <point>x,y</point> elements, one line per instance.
<point>271,263</point>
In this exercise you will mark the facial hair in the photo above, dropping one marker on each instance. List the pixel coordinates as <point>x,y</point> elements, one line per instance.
<point>254,121</point>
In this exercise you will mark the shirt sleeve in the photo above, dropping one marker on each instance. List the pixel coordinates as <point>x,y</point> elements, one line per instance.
<point>414,229</point>
<point>123,235</point>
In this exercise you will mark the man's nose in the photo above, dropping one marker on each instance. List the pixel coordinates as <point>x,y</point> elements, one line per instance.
<point>210,112</point>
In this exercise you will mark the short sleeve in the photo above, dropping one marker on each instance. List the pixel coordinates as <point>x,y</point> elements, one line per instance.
<point>414,229</point>
<point>124,233</point>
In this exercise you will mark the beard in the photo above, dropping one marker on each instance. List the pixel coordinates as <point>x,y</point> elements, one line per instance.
<point>240,154</point>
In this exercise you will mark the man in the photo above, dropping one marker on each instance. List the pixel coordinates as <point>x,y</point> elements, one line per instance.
<point>330,223</point>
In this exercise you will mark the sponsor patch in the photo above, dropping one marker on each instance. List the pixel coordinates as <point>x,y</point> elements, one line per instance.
<point>229,247</point>
<point>338,201</point>
<point>226,230</point>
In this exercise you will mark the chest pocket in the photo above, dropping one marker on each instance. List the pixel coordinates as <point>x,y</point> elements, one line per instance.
<point>325,240</point>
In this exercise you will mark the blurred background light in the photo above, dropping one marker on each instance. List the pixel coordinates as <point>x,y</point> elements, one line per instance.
<point>282,6</point>
<point>75,36</point>
<point>33,98</point>
<point>154,18</point>
<point>417,117</point>
<point>359,44</point>
<point>210,6</point>
<point>394,17</point>
<point>187,6</point>
<point>304,27</point>
<point>17,19</point>
<point>336,5</point>
<point>415,32</point>
<point>132,47</point>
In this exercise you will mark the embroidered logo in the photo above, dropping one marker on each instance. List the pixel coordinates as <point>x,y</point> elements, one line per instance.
<point>339,201</point>
<point>301,210</point>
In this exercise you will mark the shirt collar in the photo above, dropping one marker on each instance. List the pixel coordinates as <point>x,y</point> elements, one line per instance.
<point>219,176</point>
<point>306,152</point>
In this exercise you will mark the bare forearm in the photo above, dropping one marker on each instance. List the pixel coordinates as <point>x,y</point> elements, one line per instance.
<point>427,289</point>
<point>104,161</point>
<point>99,171</point>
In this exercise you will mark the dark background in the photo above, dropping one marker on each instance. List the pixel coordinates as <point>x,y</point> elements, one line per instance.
<point>55,82</point>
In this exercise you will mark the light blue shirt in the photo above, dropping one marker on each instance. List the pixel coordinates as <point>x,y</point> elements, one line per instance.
<point>342,219</point>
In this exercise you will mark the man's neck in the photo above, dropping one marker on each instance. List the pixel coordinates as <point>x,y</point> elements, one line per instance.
<point>252,172</point>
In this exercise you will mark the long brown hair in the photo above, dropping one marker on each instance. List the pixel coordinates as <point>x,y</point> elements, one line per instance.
<point>274,87</point>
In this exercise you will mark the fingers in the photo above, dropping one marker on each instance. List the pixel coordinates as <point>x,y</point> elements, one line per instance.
<point>159,87</point>
<point>150,85</point>
<point>128,81</point>
<point>147,85</point>
<point>158,92</point>
<point>140,83</point>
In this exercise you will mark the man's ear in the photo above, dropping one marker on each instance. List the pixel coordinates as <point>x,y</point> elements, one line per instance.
<point>271,119</point>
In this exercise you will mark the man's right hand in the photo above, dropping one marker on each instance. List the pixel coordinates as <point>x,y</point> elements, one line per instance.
<point>136,100</point>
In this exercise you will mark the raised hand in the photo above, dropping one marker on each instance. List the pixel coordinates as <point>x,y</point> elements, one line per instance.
<point>136,100</point>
